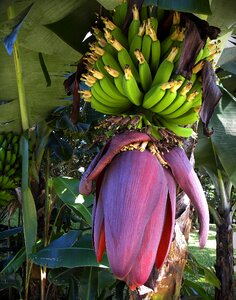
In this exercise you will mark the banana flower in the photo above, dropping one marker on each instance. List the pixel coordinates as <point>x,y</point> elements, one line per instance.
<point>135,202</point>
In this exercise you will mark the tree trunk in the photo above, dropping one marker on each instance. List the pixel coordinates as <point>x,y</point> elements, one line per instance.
<point>224,259</point>
<point>166,282</point>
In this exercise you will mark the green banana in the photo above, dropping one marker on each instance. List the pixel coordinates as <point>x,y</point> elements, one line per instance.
<point>180,99</point>
<point>2,137</point>
<point>137,43</point>
<point>188,118</point>
<point>165,69</point>
<point>178,130</point>
<point>118,79</point>
<point>169,97</point>
<point>1,166</point>
<point>2,154</point>
<point>107,58</point>
<point>155,94</point>
<point>167,43</point>
<point>144,71</point>
<point>131,87</point>
<point>108,86</point>
<point>95,104</point>
<point>8,156</point>
<point>155,52</point>
<point>144,12</point>
<point>185,107</point>
<point>119,14</point>
<point>134,25</point>
<point>146,43</point>
<point>124,57</point>
<point>15,139</point>
<point>116,32</point>
<point>6,196</point>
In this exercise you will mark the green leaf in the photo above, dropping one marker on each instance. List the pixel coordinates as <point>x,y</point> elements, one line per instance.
<point>223,15</point>
<point>7,233</point>
<point>68,257</point>
<point>69,29</point>
<point>197,288</point>
<point>66,240</point>
<point>68,191</point>
<point>200,6</point>
<point>227,60</point>
<point>223,140</point>
<point>29,220</point>
<point>16,262</point>
<point>224,137</point>
<point>10,280</point>
<point>192,6</point>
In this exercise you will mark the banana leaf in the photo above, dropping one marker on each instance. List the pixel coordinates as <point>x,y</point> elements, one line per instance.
<point>222,142</point>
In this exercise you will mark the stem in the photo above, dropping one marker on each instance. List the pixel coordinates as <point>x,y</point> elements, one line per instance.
<point>89,284</point>
<point>216,216</point>
<point>29,265</point>
<point>19,78</point>
<point>54,224</point>
<point>43,270</point>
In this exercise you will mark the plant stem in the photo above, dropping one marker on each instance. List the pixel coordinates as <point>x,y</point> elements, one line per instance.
<point>19,78</point>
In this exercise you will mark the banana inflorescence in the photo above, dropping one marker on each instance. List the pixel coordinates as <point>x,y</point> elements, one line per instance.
<point>9,166</point>
<point>134,71</point>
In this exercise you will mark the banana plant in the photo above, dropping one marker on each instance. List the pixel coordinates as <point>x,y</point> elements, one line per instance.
<point>215,156</point>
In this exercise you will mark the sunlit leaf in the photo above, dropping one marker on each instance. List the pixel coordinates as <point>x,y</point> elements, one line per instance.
<point>68,191</point>
<point>68,257</point>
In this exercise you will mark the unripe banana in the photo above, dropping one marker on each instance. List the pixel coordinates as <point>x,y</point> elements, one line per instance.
<point>180,99</point>
<point>116,32</point>
<point>165,69</point>
<point>167,43</point>
<point>134,25</point>
<point>108,86</point>
<point>185,107</point>
<point>119,14</point>
<point>155,94</point>
<point>146,43</point>
<point>169,97</point>
<point>137,43</point>
<point>107,58</point>
<point>105,98</point>
<point>124,57</point>
<point>178,130</point>
<point>2,137</point>
<point>131,87</point>
<point>2,154</point>
<point>144,71</point>
<point>118,79</point>
<point>95,104</point>
<point>188,118</point>
<point>155,52</point>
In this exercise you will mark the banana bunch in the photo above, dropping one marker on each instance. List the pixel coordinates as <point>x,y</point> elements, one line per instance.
<point>134,72</point>
<point>9,166</point>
